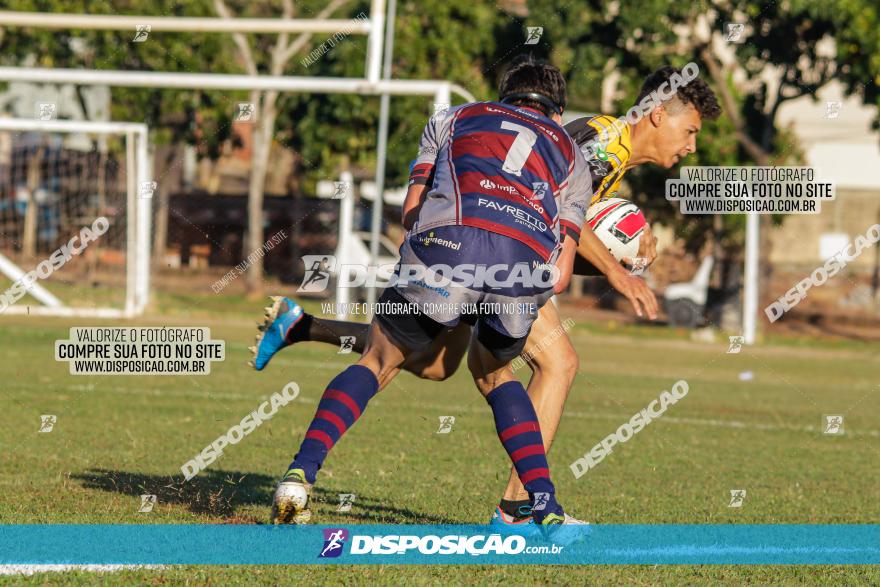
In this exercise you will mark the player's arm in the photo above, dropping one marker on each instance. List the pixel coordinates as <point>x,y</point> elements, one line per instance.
<point>631,287</point>
<point>594,250</point>
<point>422,172</point>
<point>415,195</point>
<point>565,264</point>
<point>574,198</point>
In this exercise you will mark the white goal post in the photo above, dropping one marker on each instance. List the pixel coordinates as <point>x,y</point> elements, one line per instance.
<point>370,84</point>
<point>133,242</point>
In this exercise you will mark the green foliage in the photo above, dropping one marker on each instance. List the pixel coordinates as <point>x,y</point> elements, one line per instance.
<point>169,113</point>
<point>441,43</point>
<point>590,37</point>
<point>470,43</point>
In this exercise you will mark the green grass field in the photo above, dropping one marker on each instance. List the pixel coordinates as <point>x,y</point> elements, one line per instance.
<point>119,437</point>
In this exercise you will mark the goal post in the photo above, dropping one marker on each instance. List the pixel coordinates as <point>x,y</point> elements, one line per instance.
<point>138,251</point>
<point>75,218</point>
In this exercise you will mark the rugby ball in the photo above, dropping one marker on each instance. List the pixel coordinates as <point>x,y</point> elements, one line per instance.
<point>619,224</point>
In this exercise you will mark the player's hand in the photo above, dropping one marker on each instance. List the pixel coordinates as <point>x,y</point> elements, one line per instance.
<point>647,247</point>
<point>633,288</point>
<point>565,264</point>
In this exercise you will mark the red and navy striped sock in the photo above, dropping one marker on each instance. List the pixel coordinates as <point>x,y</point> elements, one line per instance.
<point>520,433</point>
<point>342,404</point>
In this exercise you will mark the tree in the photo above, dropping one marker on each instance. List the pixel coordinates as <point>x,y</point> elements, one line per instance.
<point>590,39</point>
<point>442,43</point>
<point>169,113</point>
<point>604,47</point>
<point>787,50</point>
<point>266,108</point>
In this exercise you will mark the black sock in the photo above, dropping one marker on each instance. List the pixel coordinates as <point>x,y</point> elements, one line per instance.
<point>515,508</point>
<point>300,330</point>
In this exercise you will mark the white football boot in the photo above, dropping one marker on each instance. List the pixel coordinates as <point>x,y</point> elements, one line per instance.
<point>291,502</point>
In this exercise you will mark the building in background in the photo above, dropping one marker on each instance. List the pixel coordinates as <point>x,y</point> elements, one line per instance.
<point>836,137</point>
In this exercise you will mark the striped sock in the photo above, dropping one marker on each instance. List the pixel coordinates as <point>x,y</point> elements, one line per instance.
<point>520,433</point>
<point>342,404</point>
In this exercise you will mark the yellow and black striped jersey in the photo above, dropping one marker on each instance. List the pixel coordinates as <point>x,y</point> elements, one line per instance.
<point>606,143</point>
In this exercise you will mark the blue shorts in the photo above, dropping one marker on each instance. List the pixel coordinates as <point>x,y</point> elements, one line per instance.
<point>461,273</point>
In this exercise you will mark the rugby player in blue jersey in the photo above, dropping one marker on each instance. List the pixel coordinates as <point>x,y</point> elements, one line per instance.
<point>509,186</point>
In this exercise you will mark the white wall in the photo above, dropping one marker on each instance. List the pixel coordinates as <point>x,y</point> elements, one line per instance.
<point>845,148</point>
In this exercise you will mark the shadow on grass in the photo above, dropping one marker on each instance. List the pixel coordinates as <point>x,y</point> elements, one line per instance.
<point>221,493</point>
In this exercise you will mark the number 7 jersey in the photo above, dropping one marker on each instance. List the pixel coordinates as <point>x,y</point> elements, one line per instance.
<point>506,169</point>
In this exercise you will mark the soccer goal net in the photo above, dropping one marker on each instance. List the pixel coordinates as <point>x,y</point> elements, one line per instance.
<point>75,205</point>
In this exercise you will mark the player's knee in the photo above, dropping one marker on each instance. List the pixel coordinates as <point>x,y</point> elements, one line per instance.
<point>383,371</point>
<point>569,365</point>
<point>486,382</point>
<point>560,364</point>
<point>430,367</point>
<point>435,373</point>
<point>384,378</point>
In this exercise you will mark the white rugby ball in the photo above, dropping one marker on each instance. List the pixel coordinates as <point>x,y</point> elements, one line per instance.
<point>619,224</point>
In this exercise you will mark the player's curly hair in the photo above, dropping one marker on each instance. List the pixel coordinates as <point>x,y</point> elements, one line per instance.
<point>696,92</point>
<point>527,75</point>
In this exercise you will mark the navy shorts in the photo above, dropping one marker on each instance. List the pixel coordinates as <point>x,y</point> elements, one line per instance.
<point>460,273</point>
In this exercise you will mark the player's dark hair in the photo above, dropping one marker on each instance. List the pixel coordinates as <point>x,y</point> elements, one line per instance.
<point>535,84</point>
<point>696,92</point>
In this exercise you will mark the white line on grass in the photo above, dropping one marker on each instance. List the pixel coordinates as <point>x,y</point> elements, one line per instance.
<point>33,569</point>
<point>670,419</point>
<point>568,413</point>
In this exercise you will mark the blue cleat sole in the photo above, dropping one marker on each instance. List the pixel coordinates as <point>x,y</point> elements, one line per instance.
<point>278,319</point>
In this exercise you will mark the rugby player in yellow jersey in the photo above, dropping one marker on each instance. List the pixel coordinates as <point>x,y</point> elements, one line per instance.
<point>663,136</point>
